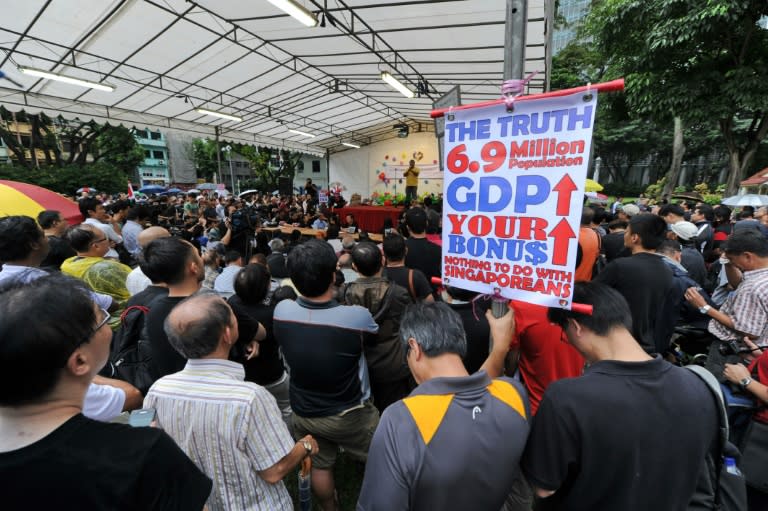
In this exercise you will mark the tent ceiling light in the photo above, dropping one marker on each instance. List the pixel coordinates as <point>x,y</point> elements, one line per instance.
<point>299,12</point>
<point>395,84</point>
<point>222,115</point>
<point>349,144</point>
<point>302,133</point>
<point>66,79</point>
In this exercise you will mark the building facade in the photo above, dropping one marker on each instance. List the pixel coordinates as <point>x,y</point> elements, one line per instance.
<point>154,168</point>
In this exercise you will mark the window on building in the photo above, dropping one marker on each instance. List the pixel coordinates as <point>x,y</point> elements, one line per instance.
<point>300,167</point>
<point>140,133</point>
<point>158,155</point>
<point>315,165</point>
<point>154,135</point>
<point>147,154</point>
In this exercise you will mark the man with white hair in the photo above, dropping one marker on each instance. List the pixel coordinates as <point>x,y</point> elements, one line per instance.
<point>250,452</point>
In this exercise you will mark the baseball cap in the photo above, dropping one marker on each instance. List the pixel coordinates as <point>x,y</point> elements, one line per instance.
<point>630,210</point>
<point>684,230</point>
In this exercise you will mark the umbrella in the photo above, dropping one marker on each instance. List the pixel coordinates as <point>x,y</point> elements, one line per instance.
<point>174,190</point>
<point>207,186</point>
<point>86,189</point>
<point>749,199</point>
<point>25,199</point>
<point>305,485</point>
<point>592,186</point>
<point>247,192</point>
<point>152,189</point>
<point>193,190</point>
<point>596,197</point>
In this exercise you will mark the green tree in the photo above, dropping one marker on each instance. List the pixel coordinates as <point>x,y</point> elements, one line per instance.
<point>266,173</point>
<point>102,176</point>
<point>116,146</point>
<point>701,61</point>
<point>203,154</point>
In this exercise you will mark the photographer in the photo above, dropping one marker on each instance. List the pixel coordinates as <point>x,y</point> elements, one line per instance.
<point>745,311</point>
<point>243,225</point>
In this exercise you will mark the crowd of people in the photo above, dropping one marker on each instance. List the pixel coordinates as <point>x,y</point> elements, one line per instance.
<point>255,347</point>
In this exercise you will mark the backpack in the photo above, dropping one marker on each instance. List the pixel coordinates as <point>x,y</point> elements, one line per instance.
<point>721,486</point>
<point>601,262</point>
<point>130,355</point>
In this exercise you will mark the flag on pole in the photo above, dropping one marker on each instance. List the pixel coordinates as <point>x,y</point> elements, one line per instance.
<point>130,191</point>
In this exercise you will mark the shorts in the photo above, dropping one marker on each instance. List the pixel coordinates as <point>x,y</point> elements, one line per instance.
<point>352,430</point>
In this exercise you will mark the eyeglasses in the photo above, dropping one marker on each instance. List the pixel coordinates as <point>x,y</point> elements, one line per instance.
<point>98,241</point>
<point>104,320</point>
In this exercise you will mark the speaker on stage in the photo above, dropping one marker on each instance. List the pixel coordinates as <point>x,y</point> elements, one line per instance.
<point>285,186</point>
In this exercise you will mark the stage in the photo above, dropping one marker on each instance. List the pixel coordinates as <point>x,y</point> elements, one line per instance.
<point>371,218</point>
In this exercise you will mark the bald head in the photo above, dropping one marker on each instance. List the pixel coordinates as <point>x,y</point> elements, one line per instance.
<point>150,234</point>
<point>88,240</point>
<point>198,325</point>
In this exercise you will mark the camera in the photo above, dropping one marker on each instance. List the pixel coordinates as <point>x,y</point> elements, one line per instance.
<point>731,347</point>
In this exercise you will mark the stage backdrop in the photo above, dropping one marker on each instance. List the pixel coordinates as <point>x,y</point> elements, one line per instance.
<point>380,166</point>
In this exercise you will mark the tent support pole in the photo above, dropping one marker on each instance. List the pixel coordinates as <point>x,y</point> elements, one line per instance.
<point>514,39</point>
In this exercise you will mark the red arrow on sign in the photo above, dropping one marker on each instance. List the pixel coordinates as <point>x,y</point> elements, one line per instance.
<point>564,188</point>
<point>562,234</point>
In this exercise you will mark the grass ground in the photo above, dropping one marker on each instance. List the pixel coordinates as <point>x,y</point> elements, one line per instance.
<point>349,479</point>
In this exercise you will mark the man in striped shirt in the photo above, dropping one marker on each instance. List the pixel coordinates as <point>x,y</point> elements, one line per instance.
<point>230,428</point>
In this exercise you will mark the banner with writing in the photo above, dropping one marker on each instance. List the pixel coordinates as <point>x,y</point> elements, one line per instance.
<point>513,194</point>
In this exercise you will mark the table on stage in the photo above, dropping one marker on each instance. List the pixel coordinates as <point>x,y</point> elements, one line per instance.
<point>313,233</point>
<point>371,218</point>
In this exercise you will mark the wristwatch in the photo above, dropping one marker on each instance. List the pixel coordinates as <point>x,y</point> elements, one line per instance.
<point>307,445</point>
<point>705,309</point>
<point>744,382</point>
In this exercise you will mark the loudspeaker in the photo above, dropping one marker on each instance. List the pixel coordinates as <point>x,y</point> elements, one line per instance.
<point>285,186</point>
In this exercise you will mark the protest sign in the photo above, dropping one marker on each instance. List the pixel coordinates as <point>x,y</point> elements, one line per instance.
<point>513,193</point>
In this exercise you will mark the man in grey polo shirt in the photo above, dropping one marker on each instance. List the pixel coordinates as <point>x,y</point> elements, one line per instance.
<point>456,441</point>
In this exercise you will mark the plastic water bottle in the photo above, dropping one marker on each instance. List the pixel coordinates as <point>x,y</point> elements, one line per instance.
<point>730,466</point>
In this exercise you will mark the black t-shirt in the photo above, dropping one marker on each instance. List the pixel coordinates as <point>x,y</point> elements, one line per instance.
<point>399,275</point>
<point>644,280</point>
<point>147,296</point>
<point>267,367</point>
<point>693,261</point>
<point>628,436</point>
<point>90,465</point>
<point>165,359</point>
<point>613,246</point>
<point>477,330</point>
<point>423,255</point>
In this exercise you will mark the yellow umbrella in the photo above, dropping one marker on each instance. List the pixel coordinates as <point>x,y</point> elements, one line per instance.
<point>593,186</point>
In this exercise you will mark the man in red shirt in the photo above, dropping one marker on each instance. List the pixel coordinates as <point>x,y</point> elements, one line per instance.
<point>545,356</point>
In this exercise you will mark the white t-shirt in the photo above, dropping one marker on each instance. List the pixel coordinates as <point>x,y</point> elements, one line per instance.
<point>136,282</point>
<point>103,403</point>
<point>109,232</point>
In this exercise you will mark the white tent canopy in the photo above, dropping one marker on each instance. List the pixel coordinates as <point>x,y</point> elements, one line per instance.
<point>247,58</point>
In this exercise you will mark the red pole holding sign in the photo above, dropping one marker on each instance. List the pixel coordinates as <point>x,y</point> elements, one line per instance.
<point>612,86</point>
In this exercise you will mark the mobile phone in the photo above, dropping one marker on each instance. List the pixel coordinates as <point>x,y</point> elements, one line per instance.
<point>142,418</point>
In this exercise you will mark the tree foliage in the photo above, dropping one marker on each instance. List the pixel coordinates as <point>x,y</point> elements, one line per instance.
<point>37,140</point>
<point>203,154</point>
<point>704,61</point>
<point>102,176</point>
<point>116,146</point>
